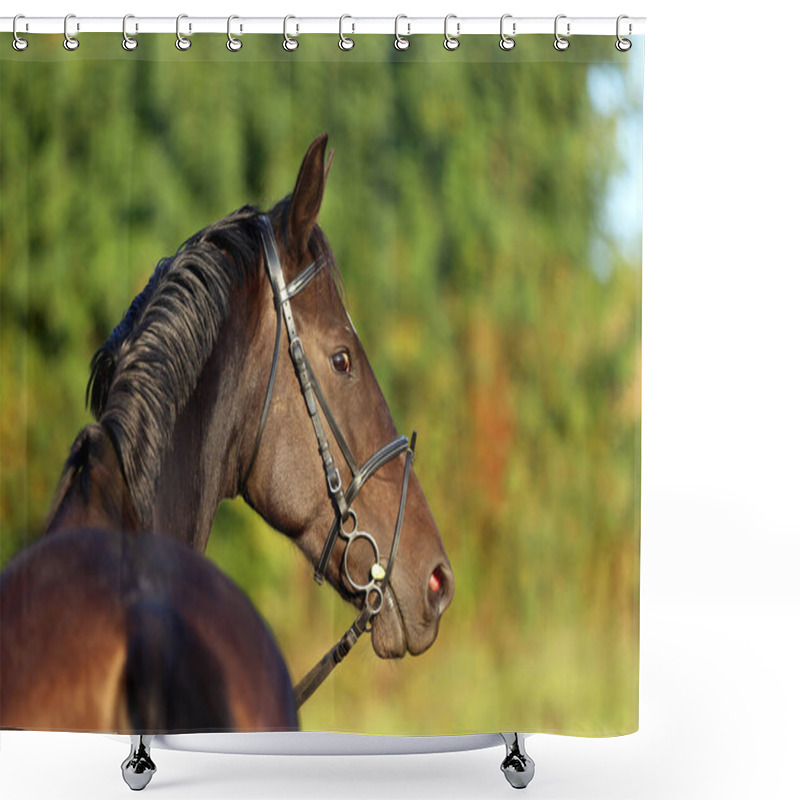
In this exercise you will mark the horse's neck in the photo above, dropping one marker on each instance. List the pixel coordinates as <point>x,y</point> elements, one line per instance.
<point>202,466</point>
<point>192,482</point>
<point>92,492</point>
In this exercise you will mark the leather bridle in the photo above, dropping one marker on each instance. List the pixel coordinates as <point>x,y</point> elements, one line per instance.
<point>345,523</point>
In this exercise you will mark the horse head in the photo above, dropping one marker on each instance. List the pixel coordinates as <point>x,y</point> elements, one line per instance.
<point>328,467</point>
<point>237,370</point>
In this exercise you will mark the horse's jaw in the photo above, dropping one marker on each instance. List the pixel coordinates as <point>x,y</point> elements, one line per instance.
<point>388,629</point>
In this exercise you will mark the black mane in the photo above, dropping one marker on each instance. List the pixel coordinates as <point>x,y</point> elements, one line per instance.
<point>143,375</point>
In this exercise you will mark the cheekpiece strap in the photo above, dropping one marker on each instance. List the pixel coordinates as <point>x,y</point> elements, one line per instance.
<point>283,296</point>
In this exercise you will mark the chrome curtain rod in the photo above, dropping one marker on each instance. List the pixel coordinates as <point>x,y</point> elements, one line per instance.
<point>347,25</point>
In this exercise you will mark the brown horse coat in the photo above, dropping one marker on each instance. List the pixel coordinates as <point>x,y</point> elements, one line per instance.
<point>105,630</point>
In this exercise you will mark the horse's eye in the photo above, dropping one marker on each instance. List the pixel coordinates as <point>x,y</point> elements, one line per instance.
<point>341,362</point>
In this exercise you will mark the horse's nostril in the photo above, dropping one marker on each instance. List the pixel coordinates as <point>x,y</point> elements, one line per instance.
<point>440,590</point>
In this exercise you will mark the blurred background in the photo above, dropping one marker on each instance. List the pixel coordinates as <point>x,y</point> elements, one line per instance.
<point>485,211</point>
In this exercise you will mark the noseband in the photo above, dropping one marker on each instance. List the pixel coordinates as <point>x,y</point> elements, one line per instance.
<point>345,522</point>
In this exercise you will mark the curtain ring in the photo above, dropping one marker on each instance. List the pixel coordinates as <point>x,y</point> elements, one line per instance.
<point>451,42</point>
<point>507,42</point>
<point>290,43</point>
<point>234,44</point>
<point>181,42</point>
<point>128,42</point>
<point>70,42</point>
<point>400,42</point>
<point>19,44</point>
<point>345,42</point>
<point>622,44</point>
<point>560,43</point>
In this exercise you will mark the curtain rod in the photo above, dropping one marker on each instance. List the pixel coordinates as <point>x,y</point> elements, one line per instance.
<point>348,25</point>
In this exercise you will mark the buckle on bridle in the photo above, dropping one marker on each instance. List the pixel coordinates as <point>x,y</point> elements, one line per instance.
<point>296,350</point>
<point>334,481</point>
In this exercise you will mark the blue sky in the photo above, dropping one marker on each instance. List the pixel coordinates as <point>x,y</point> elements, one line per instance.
<point>618,94</point>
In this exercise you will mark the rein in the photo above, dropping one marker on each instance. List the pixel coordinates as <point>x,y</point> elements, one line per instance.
<point>344,514</point>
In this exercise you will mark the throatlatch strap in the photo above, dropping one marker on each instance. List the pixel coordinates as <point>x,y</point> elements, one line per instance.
<point>267,402</point>
<point>295,287</point>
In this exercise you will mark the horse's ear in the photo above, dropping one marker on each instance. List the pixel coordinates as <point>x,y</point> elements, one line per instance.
<point>307,195</point>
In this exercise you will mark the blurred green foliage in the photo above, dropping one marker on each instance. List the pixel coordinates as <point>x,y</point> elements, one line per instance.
<point>464,207</point>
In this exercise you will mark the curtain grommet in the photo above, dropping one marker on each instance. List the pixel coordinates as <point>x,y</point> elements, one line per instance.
<point>128,42</point>
<point>70,42</point>
<point>345,42</point>
<point>19,44</point>
<point>181,42</point>
<point>507,42</point>
<point>401,42</point>
<point>233,44</point>
<point>451,42</point>
<point>560,43</point>
<point>290,43</point>
<point>622,44</point>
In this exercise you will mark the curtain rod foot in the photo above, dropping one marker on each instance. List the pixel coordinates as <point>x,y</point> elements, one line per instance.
<point>138,768</point>
<point>517,766</point>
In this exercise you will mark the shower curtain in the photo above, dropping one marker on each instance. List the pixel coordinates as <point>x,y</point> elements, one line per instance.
<point>484,208</point>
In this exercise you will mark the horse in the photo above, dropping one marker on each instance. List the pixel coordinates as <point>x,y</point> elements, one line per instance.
<point>106,628</point>
<point>200,348</point>
<point>173,390</point>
